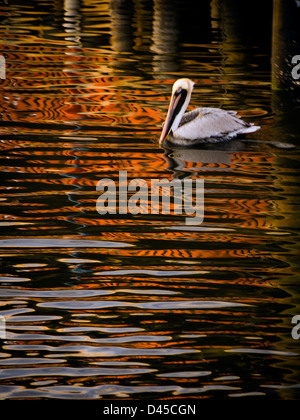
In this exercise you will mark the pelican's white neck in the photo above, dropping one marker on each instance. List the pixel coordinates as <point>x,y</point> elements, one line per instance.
<point>187,85</point>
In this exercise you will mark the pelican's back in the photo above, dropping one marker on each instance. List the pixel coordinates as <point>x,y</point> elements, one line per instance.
<point>212,125</point>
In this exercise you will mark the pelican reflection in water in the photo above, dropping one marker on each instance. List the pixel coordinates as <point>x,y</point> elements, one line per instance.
<point>202,125</point>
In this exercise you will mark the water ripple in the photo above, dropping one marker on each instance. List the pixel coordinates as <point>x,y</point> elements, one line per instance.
<point>58,243</point>
<point>66,371</point>
<point>148,305</point>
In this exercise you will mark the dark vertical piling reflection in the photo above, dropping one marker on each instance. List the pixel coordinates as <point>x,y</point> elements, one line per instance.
<point>285,44</point>
<point>121,25</point>
<point>165,37</point>
<point>285,66</point>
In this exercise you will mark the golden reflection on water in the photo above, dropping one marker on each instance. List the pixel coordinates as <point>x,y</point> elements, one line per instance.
<point>129,306</point>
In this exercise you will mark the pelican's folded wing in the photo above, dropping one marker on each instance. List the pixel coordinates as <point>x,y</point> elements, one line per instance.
<point>205,123</point>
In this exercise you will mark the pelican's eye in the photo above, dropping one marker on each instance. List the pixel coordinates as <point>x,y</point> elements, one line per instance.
<point>178,91</point>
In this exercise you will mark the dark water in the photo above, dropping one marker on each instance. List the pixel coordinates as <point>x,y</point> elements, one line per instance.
<point>144,306</point>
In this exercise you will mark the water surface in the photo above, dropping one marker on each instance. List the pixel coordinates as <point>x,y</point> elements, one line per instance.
<point>144,306</point>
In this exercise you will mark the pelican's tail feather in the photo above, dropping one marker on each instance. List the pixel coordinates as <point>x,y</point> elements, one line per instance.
<point>250,129</point>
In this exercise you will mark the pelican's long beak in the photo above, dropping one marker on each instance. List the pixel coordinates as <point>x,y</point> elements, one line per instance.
<point>177,100</point>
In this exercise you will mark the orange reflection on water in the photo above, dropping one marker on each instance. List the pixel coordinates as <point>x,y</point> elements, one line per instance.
<point>84,98</point>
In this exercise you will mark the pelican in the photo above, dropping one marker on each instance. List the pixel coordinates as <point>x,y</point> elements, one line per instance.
<point>202,125</point>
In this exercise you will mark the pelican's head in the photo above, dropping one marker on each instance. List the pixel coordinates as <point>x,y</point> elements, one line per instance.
<point>181,95</point>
